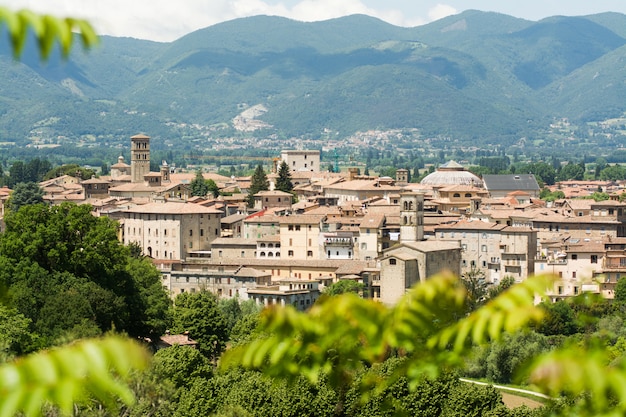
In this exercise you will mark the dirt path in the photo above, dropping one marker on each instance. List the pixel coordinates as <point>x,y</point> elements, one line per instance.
<point>509,398</point>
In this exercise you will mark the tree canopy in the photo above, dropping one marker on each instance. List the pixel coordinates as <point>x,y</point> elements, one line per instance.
<point>66,271</point>
<point>24,194</point>
<point>283,182</point>
<point>258,182</point>
<point>199,187</point>
<point>199,314</point>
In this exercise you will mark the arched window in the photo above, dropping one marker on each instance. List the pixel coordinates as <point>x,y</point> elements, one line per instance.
<point>262,255</point>
<point>456,195</point>
<point>468,195</point>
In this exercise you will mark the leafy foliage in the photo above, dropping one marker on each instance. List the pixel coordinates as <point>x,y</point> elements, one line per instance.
<point>258,182</point>
<point>47,29</point>
<point>338,335</point>
<point>199,186</point>
<point>24,194</point>
<point>283,182</point>
<point>70,374</point>
<point>67,272</point>
<point>343,286</point>
<point>199,314</point>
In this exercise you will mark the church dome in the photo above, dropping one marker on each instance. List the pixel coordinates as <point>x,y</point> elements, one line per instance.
<point>452,173</point>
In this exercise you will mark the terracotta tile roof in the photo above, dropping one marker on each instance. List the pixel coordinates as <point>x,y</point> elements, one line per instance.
<point>172,208</point>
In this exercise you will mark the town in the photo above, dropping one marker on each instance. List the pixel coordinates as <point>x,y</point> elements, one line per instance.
<point>384,233</point>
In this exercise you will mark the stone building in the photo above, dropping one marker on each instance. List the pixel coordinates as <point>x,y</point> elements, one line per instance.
<point>171,230</point>
<point>496,250</point>
<point>404,265</point>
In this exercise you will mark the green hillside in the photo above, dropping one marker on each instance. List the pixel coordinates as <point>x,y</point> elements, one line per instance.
<point>475,76</point>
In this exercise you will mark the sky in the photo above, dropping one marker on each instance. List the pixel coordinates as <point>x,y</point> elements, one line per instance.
<point>167,20</point>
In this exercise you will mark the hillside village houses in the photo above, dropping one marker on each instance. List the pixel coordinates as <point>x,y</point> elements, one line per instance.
<point>384,232</point>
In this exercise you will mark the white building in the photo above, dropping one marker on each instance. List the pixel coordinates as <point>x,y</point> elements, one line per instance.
<point>301,160</point>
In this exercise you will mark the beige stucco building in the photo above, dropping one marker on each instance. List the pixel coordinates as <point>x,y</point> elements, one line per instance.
<point>171,230</point>
<point>299,236</point>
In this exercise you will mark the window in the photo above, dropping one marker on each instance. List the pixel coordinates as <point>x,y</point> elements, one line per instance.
<point>392,261</point>
<point>574,256</point>
<point>483,248</point>
<point>243,254</point>
<point>290,227</point>
<point>290,242</point>
<point>309,242</point>
<point>574,274</point>
<point>594,259</point>
<point>297,228</point>
<point>190,232</point>
<point>290,253</point>
<point>201,232</point>
<point>309,253</point>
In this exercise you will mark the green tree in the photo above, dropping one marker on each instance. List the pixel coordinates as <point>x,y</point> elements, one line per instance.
<point>600,163</point>
<point>600,196</point>
<point>25,194</point>
<point>507,282</point>
<point>213,188</point>
<point>73,170</point>
<point>613,173</point>
<point>258,182</point>
<point>466,400</point>
<point>283,182</point>
<point>199,187</point>
<point>343,286</point>
<point>476,286</point>
<point>15,335</point>
<point>620,291</point>
<point>199,314</point>
<point>90,368</point>
<point>66,271</point>
<point>559,320</point>
<point>548,195</point>
<point>544,172</point>
<point>181,365</point>
<point>571,171</point>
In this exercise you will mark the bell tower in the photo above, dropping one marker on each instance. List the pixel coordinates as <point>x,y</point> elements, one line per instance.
<point>139,157</point>
<point>411,216</point>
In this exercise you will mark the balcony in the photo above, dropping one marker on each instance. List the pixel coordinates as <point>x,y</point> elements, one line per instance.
<point>338,241</point>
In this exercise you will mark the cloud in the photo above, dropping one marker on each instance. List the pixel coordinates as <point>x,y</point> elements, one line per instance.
<point>167,20</point>
<point>440,11</point>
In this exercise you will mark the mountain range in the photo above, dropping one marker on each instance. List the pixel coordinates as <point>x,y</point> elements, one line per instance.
<point>476,76</point>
